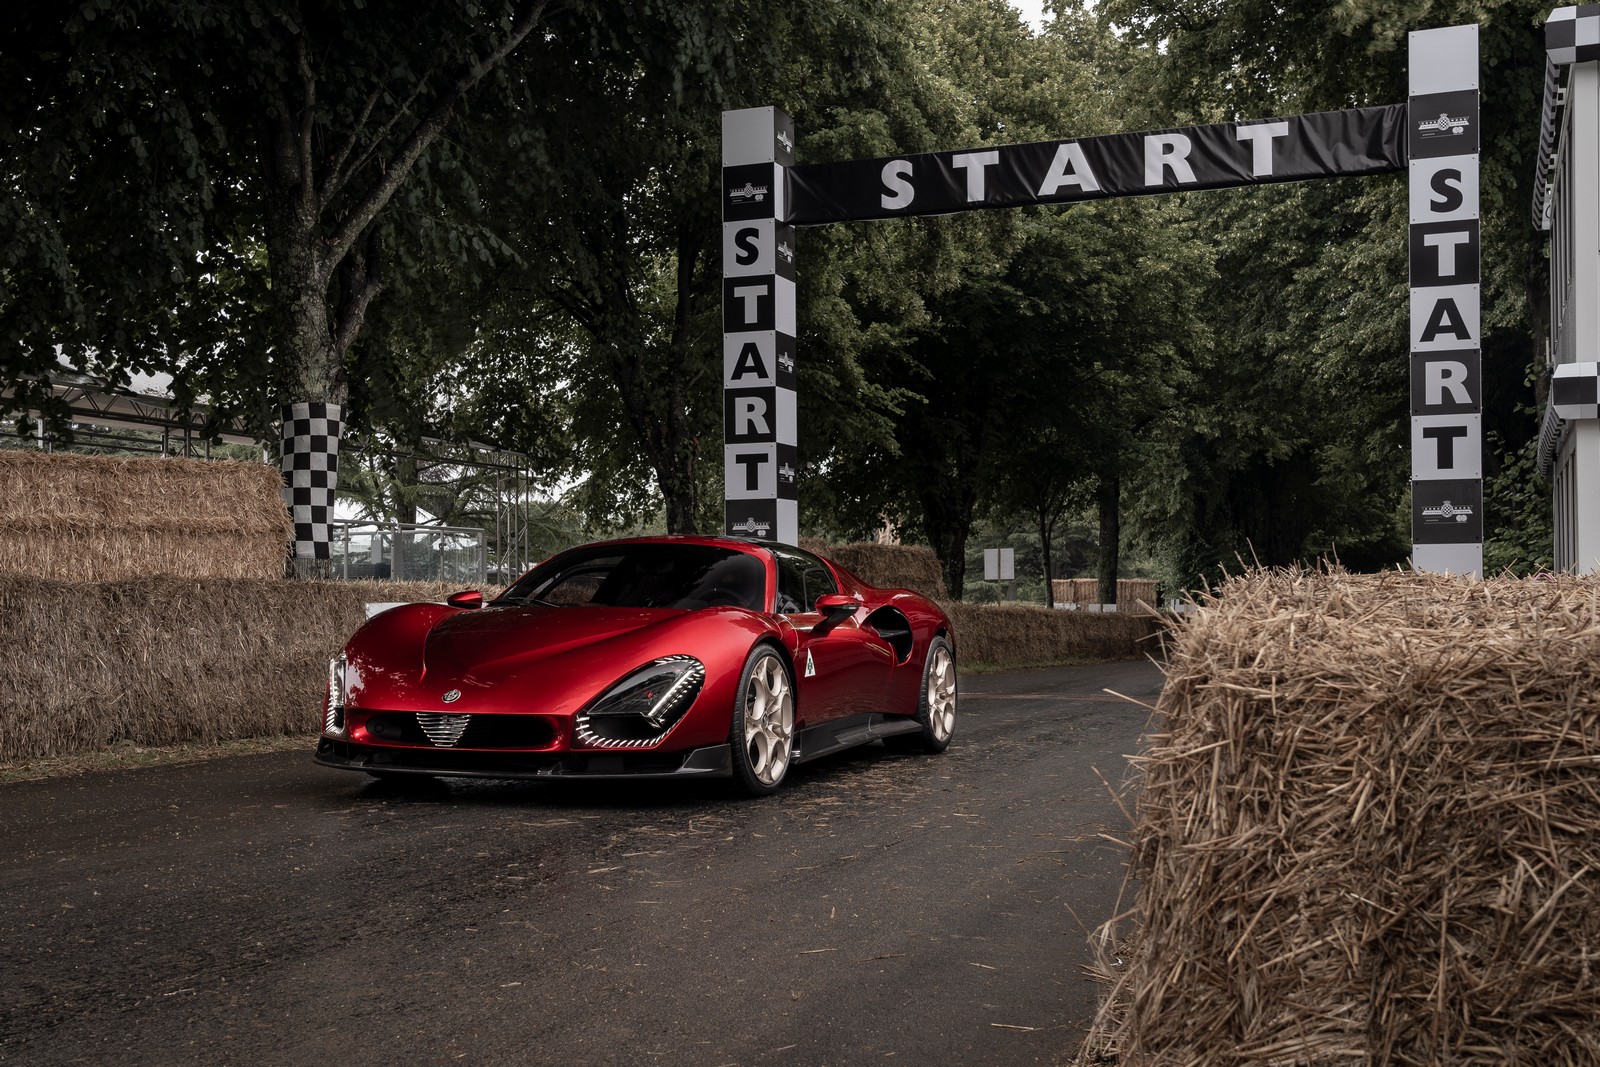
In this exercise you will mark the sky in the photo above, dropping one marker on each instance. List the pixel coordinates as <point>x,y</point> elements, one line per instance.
<point>1032,12</point>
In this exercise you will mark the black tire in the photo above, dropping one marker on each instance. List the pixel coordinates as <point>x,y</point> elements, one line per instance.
<point>936,707</point>
<point>761,734</point>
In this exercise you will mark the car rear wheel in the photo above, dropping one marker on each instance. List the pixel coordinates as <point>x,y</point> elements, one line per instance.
<point>936,709</point>
<point>762,734</point>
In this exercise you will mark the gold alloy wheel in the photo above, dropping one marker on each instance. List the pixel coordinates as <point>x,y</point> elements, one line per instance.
<point>942,694</point>
<point>769,720</point>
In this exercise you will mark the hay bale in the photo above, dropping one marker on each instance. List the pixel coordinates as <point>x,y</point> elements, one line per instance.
<point>163,660</point>
<point>1001,635</point>
<point>104,518</point>
<point>1369,830</point>
<point>1021,635</point>
<point>1132,593</point>
<point>913,567</point>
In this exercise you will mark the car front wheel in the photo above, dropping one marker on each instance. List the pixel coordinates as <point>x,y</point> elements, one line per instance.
<point>762,733</point>
<point>936,708</point>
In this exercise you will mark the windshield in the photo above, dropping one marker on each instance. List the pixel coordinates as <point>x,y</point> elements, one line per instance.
<point>647,575</point>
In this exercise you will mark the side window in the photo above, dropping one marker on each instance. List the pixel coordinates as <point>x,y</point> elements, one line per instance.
<point>818,582</point>
<point>791,584</point>
<point>801,579</point>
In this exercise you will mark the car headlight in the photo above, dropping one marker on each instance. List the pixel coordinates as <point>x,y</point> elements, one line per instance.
<point>333,713</point>
<point>643,704</point>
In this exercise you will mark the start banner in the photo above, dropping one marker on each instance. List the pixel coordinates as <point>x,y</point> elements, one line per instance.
<point>1321,145</point>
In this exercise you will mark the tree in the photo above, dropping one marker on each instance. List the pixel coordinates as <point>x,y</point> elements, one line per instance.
<point>1297,442</point>
<point>612,238</point>
<point>282,134</point>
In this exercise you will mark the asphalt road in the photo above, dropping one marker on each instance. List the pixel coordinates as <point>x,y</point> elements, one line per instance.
<point>882,909</point>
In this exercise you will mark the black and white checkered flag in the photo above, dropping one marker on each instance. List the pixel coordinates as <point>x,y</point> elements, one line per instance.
<point>311,474</point>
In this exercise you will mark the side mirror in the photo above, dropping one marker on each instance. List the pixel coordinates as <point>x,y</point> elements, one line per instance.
<point>835,609</point>
<point>469,599</point>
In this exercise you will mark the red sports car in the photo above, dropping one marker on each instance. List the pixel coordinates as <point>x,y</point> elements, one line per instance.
<point>653,657</point>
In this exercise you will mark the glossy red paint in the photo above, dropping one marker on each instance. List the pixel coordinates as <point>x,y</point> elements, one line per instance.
<point>526,673</point>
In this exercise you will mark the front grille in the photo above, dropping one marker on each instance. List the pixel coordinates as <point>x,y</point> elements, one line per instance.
<point>472,731</point>
<point>443,730</point>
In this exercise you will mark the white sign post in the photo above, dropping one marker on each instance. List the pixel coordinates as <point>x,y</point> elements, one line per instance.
<point>999,565</point>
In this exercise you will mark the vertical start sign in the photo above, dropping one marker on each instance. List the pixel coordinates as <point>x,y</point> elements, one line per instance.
<point>1446,383</point>
<point>760,460</point>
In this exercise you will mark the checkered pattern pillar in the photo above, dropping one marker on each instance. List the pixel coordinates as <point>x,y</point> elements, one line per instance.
<point>1572,34</point>
<point>1446,384</point>
<point>311,474</point>
<point>758,327</point>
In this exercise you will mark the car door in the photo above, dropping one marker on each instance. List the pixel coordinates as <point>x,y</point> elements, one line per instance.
<point>841,672</point>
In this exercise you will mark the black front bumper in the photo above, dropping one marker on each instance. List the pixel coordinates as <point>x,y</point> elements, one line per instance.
<point>714,761</point>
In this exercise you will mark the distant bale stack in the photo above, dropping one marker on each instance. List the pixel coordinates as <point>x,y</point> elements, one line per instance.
<point>1370,829</point>
<point>1015,635</point>
<point>104,518</point>
<point>1131,592</point>
<point>912,567</point>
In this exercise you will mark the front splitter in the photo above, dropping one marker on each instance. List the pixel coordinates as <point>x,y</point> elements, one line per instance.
<point>714,761</point>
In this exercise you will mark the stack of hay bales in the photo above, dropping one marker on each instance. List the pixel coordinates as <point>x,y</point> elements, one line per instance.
<point>144,601</point>
<point>1370,829</point>
<point>913,567</point>
<point>1131,592</point>
<point>163,660</point>
<point>1005,635</point>
<point>1021,635</point>
<point>104,518</point>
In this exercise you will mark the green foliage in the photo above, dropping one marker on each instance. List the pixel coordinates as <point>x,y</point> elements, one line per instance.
<point>1297,439</point>
<point>233,192</point>
<point>1521,538</point>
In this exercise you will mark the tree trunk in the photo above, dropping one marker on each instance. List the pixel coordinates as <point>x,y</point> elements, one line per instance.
<point>323,259</point>
<point>948,527</point>
<point>1109,498</point>
<point>1046,528</point>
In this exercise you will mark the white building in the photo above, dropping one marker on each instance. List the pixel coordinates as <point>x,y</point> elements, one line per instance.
<point>1567,204</point>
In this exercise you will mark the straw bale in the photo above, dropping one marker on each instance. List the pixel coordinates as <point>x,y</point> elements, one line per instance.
<point>1011,635</point>
<point>104,518</point>
<point>1369,829</point>
<point>913,567</point>
<point>1000,635</point>
<point>165,660</point>
<point>1131,592</point>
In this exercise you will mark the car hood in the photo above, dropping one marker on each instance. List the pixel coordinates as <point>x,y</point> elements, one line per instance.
<point>552,660</point>
<point>493,642</point>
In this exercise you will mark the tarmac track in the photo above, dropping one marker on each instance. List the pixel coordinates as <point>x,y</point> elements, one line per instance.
<point>881,909</point>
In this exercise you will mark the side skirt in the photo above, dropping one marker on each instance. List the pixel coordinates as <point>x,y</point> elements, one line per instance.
<point>840,734</point>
